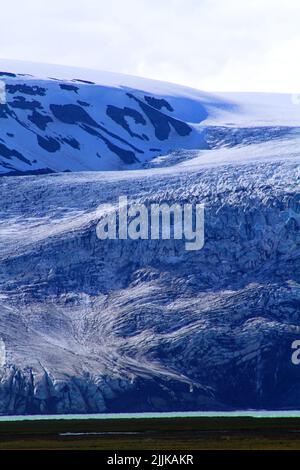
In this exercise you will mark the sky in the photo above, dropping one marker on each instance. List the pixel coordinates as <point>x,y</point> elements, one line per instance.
<point>212,45</point>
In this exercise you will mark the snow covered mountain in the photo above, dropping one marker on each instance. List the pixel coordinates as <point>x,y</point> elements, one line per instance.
<point>109,121</point>
<point>53,124</point>
<point>123,325</point>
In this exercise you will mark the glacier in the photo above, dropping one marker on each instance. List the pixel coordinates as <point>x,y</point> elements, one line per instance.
<point>90,326</point>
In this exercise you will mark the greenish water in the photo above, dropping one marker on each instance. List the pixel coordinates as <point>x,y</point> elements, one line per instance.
<point>208,414</point>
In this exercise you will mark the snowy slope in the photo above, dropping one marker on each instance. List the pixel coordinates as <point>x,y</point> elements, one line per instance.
<point>57,124</point>
<point>121,325</point>
<point>66,119</point>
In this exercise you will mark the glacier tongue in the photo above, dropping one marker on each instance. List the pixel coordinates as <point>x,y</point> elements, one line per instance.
<point>93,325</point>
<point>122,325</point>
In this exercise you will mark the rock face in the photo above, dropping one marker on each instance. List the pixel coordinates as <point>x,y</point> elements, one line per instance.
<point>91,326</point>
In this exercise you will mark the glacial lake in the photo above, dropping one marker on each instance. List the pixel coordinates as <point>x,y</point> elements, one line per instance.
<point>204,414</point>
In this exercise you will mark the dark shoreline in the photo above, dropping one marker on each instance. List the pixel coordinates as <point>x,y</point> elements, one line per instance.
<point>234,433</point>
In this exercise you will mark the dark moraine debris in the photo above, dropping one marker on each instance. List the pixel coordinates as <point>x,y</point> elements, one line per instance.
<point>72,142</point>
<point>11,153</point>
<point>42,171</point>
<point>127,156</point>
<point>40,120</point>
<point>4,111</point>
<point>48,143</point>
<point>120,139</point>
<point>83,103</point>
<point>84,81</point>
<point>119,115</point>
<point>65,86</point>
<point>26,89</point>
<point>20,102</point>
<point>111,134</point>
<point>158,103</point>
<point>161,122</point>
<point>7,74</point>
<point>72,114</point>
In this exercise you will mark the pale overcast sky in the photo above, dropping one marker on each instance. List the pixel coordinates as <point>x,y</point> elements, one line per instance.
<point>215,45</point>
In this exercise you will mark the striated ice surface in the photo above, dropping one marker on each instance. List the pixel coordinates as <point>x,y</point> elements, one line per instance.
<point>90,326</point>
<point>93,326</point>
